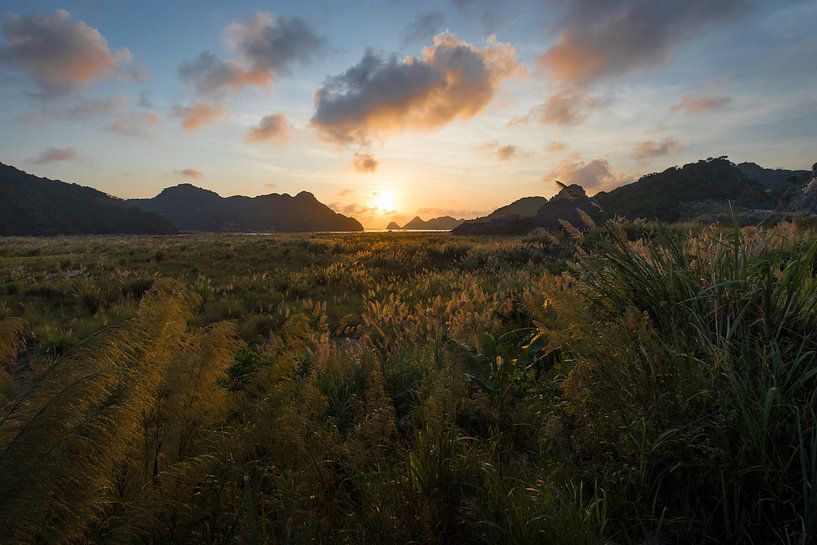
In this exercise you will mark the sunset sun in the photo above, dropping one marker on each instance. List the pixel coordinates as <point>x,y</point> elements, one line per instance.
<point>385,201</point>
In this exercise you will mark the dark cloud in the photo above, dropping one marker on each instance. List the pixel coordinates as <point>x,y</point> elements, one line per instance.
<point>608,38</point>
<point>198,115</point>
<point>650,148</point>
<point>53,155</point>
<point>364,162</point>
<point>266,47</point>
<point>695,105</point>
<point>135,124</point>
<point>272,128</point>
<point>590,175</point>
<point>423,27</point>
<point>189,173</point>
<point>564,107</point>
<point>212,75</point>
<point>381,95</point>
<point>59,54</point>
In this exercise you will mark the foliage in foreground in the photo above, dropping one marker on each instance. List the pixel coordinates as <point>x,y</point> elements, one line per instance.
<point>411,389</point>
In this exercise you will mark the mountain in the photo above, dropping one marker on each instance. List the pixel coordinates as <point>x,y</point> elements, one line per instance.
<point>514,218</point>
<point>802,196</point>
<point>442,223</point>
<point>30,205</point>
<point>565,205</point>
<point>680,194</point>
<point>701,190</point>
<point>776,181</point>
<point>192,208</point>
<point>392,226</point>
<point>525,207</point>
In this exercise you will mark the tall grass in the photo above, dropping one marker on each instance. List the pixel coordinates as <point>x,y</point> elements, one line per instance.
<point>411,388</point>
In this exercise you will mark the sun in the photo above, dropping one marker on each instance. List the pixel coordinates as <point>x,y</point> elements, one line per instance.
<point>385,201</point>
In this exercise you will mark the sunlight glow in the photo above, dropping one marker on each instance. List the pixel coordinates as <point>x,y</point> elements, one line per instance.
<point>385,201</point>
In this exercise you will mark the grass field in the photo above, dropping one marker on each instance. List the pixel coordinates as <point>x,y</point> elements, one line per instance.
<point>632,384</point>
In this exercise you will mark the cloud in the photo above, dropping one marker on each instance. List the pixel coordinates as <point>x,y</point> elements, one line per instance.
<point>555,146</point>
<point>190,173</point>
<point>198,115</point>
<point>608,38</point>
<point>364,162</point>
<point>211,75</point>
<point>272,128</point>
<point>381,95</point>
<point>270,185</point>
<point>423,27</point>
<point>650,148</point>
<point>506,152</point>
<point>59,54</point>
<point>135,124</point>
<point>345,192</point>
<point>590,175</point>
<point>266,46</point>
<point>694,105</point>
<point>564,107</point>
<point>53,155</point>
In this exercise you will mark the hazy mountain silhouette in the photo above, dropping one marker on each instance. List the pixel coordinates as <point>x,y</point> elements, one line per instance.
<point>393,226</point>
<point>192,208</point>
<point>442,223</point>
<point>30,205</point>
<point>704,190</point>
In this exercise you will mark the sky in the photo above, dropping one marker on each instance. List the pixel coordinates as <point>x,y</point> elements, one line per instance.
<point>390,109</point>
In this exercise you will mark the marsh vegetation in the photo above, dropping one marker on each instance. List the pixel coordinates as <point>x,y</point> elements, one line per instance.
<point>629,384</point>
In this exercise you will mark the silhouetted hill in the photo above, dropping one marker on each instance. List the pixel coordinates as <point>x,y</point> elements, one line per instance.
<point>776,181</point>
<point>192,208</point>
<point>802,195</point>
<point>514,218</point>
<point>442,223</point>
<point>30,205</point>
<point>701,190</point>
<point>565,205</point>
<point>525,207</point>
<point>685,193</point>
<point>393,226</point>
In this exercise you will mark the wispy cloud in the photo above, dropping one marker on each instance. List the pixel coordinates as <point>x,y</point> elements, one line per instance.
<point>651,148</point>
<point>54,155</point>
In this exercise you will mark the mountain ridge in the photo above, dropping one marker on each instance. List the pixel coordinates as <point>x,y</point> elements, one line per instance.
<point>196,209</point>
<point>35,206</point>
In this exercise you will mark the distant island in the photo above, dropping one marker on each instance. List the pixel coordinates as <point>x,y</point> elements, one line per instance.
<point>442,223</point>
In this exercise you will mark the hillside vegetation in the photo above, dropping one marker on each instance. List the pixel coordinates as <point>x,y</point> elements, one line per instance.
<point>632,384</point>
<point>38,206</point>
